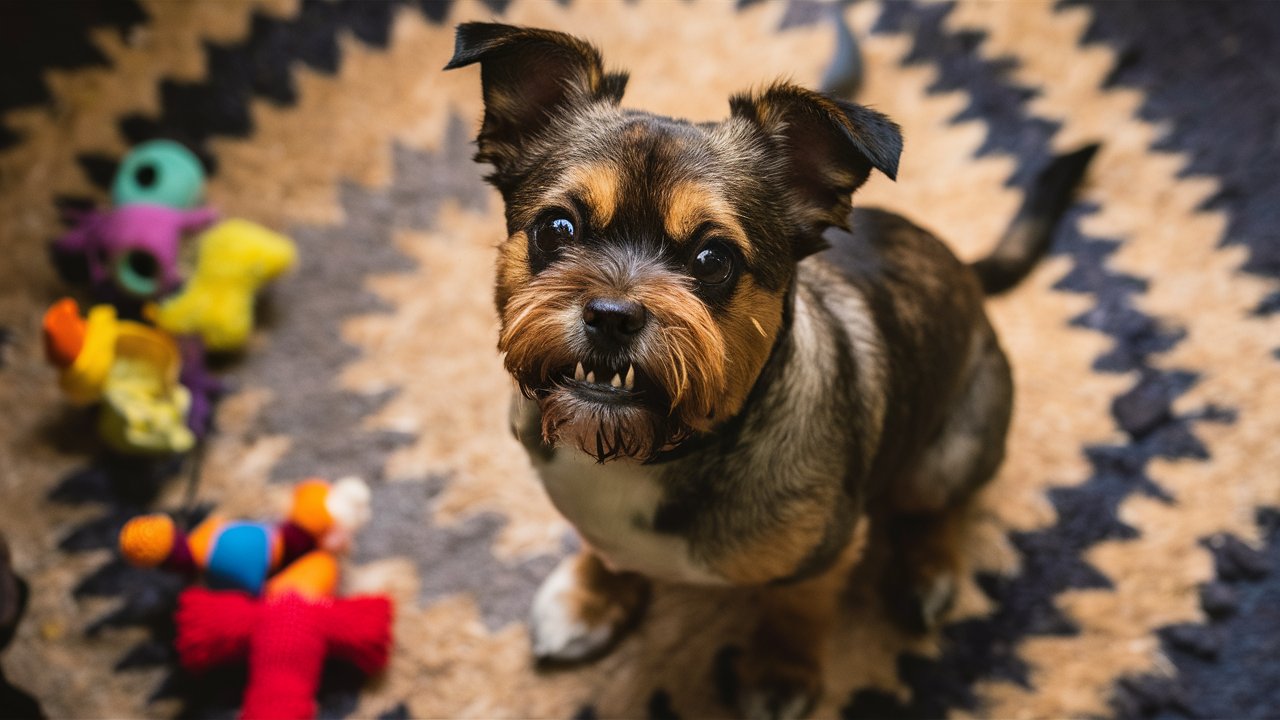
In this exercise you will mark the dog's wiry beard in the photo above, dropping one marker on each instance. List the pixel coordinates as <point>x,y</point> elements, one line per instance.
<point>605,432</point>
<point>679,355</point>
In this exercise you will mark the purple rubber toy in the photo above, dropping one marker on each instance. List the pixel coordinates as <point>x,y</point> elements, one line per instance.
<point>134,247</point>
<point>204,386</point>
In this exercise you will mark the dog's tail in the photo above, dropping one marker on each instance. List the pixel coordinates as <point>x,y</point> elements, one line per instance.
<point>1028,236</point>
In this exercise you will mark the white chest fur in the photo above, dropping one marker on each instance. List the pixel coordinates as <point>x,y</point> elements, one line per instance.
<point>612,506</point>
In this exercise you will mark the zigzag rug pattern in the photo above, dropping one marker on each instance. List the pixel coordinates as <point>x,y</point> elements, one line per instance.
<point>1127,558</point>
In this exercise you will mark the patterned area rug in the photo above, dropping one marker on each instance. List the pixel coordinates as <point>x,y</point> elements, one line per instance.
<point>1127,560</point>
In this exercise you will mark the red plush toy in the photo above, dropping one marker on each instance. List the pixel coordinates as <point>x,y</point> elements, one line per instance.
<point>285,637</point>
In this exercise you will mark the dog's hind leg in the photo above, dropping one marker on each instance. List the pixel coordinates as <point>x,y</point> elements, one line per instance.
<point>924,566</point>
<point>927,512</point>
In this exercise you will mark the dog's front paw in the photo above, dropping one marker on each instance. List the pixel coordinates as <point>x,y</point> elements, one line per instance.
<point>560,628</point>
<point>768,687</point>
<point>581,610</point>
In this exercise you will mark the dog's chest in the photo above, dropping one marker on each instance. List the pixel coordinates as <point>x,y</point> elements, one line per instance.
<point>612,506</point>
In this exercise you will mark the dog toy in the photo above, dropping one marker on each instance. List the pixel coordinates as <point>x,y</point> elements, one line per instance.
<point>236,257</point>
<point>159,172</point>
<point>271,596</point>
<point>133,248</point>
<point>285,638</point>
<point>128,367</point>
<point>241,555</point>
<point>204,386</point>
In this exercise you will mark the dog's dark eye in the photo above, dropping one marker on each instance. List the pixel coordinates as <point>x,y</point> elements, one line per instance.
<point>552,233</point>
<point>712,265</point>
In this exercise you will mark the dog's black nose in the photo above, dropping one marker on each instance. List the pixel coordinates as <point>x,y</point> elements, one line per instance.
<point>613,321</point>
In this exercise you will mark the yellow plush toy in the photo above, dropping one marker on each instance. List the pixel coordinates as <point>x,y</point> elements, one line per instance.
<point>236,258</point>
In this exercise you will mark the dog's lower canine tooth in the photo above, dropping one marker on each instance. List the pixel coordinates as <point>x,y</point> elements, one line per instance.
<point>578,374</point>
<point>616,381</point>
<point>631,376</point>
<point>591,376</point>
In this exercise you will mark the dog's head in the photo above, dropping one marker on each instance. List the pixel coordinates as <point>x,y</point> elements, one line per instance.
<point>642,285</point>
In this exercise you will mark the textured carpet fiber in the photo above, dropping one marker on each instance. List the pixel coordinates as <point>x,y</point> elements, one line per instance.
<point>1127,558</point>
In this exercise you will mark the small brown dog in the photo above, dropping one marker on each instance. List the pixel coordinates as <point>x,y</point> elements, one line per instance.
<point>723,369</point>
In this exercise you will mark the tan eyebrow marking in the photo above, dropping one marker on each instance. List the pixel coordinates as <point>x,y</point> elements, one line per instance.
<point>690,204</point>
<point>597,184</point>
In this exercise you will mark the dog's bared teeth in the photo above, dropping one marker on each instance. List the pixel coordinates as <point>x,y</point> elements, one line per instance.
<point>579,373</point>
<point>616,381</point>
<point>630,382</point>
<point>591,376</point>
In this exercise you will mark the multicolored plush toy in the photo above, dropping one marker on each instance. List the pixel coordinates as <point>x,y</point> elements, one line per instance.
<point>236,258</point>
<point>243,555</point>
<point>128,367</point>
<point>276,609</point>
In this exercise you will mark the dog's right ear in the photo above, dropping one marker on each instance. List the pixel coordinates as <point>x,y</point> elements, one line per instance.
<point>529,76</point>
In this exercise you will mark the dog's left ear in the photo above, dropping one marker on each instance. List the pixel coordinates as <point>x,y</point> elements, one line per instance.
<point>529,76</point>
<point>829,148</point>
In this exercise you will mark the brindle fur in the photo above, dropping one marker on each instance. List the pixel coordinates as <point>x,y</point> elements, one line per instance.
<point>854,372</point>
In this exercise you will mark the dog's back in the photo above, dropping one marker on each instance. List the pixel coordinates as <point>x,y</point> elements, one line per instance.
<point>927,309</point>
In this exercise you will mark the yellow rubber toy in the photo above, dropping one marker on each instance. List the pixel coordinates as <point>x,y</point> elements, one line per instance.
<point>83,349</point>
<point>130,368</point>
<point>235,259</point>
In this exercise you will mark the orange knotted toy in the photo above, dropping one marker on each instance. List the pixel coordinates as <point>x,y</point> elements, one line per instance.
<point>242,555</point>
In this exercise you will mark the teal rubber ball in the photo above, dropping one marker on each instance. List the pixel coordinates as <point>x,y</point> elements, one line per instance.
<point>159,172</point>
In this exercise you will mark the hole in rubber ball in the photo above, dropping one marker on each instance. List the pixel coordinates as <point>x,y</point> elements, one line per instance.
<point>138,273</point>
<point>146,175</point>
<point>143,264</point>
